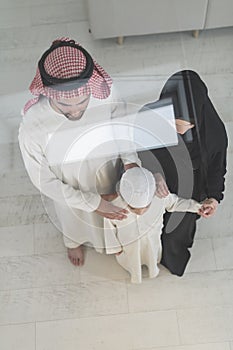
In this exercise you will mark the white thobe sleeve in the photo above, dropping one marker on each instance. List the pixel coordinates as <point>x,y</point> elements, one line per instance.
<point>119,109</point>
<point>175,203</point>
<point>129,158</point>
<point>112,244</point>
<point>48,183</point>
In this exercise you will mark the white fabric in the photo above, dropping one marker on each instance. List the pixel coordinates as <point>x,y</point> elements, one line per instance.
<point>75,188</point>
<point>138,236</point>
<point>137,187</point>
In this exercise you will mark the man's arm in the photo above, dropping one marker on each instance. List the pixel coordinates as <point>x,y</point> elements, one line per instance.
<point>50,185</point>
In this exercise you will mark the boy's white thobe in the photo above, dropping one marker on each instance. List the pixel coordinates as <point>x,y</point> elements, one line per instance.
<point>138,236</point>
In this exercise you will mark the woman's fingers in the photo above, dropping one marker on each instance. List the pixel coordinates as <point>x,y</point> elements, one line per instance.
<point>161,186</point>
<point>209,207</point>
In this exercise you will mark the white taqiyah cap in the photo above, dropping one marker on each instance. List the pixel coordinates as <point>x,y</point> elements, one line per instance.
<point>137,187</point>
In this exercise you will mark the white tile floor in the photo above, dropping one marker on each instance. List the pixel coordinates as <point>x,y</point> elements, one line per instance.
<point>45,302</point>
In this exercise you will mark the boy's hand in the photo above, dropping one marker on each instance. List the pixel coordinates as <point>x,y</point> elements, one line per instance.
<point>209,207</point>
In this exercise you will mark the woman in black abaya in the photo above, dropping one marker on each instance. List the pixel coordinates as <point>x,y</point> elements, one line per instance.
<point>195,167</point>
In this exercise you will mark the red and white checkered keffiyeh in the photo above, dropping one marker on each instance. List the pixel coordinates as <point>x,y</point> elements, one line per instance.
<point>67,62</point>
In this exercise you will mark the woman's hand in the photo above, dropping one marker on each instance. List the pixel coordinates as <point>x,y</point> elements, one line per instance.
<point>209,207</point>
<point>110,211</point>
<point>162,190</point>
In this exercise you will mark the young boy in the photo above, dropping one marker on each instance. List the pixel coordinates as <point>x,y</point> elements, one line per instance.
<point>136,239</point>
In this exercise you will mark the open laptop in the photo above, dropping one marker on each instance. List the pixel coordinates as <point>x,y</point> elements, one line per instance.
<point>149,129</point>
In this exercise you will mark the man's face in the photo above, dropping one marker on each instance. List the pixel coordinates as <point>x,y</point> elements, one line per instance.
<point>182,126</point>
<point>72,108</point>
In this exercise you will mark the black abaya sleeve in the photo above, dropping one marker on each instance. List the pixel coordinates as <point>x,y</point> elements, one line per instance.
<point>215,176</point>
<point>216,148</point>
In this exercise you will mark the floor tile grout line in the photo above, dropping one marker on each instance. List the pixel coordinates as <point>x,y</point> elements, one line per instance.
<point>125,313</point>
<point>178,326</point>
<point>34,239</point>
<point>57,285</point>
<point>16,324</point>
<point>35,338</point>
<point>93,281</point>
<point>215,257</point>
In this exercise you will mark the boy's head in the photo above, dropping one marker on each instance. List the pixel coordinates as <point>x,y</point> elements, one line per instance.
<point>137,188</point>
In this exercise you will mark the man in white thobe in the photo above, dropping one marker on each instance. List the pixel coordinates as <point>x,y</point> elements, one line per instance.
<point>71,91</point>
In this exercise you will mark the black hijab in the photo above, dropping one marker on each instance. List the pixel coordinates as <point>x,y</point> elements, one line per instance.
<point>207,141</point>
<point>191,102</point>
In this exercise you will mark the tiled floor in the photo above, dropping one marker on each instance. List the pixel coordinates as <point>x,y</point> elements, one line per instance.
<point>45,302</point>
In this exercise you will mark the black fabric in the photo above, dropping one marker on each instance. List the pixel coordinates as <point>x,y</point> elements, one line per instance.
<point>207,159</point>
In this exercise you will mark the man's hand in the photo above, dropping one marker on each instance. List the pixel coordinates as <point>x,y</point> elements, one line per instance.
<point>110,211</point>
<point>209,207</point>
<point>162,190</point>
<point>109,197</point>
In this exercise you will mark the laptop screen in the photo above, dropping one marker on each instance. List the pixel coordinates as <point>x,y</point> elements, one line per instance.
<point>149,129</point>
